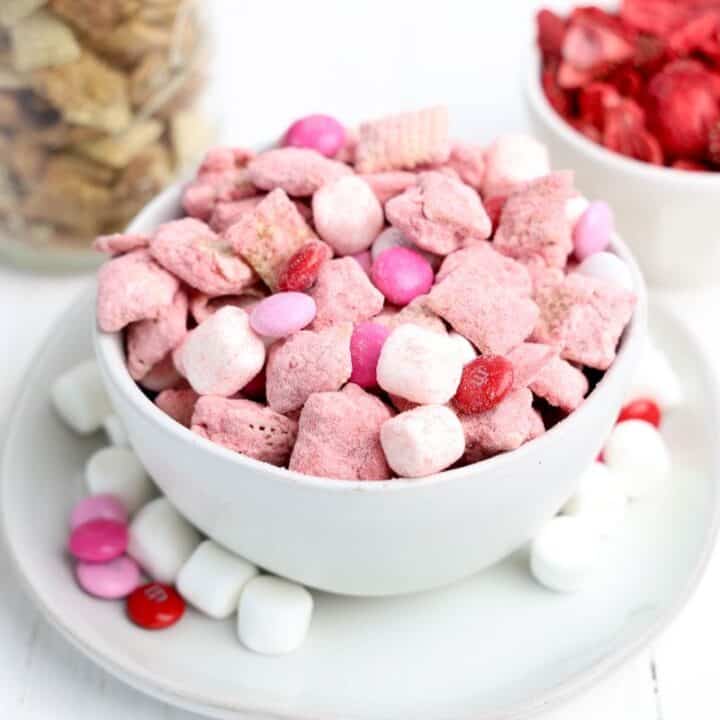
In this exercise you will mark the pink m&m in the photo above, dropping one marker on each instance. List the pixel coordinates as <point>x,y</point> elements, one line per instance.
<point>94,507</point>
<point>593,230</point>
<point>402,274</point>
<point>366,343</point>
<point>112,580</point>
<point>318,132</point>
<point>98,541</point>
<point>282,314</point>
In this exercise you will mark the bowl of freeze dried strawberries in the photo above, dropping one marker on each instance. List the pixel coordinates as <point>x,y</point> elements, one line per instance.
<point>630,99</point>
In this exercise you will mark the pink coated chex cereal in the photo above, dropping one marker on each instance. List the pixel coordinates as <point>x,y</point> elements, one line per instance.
<point>388,184</point>
<point>439,214</point>
<point>537,426</point>
<point>308,362</point>
<point>297,171</point>
<point>162,376</point>
<point>132,287</point>
<point>584,318</point>
<point>200,257</point>
<point>534,224</point>
<point>121,243</point>
<point>245,427</point>
<point>528,360</point>
<point>561,384</point>
<point>149,341</point>
<point>269,236</point>
<point>178,403</point>
<point>506,427</point>
<point>339,436</point>
<point>468,161</point>
<point>226,214</point>
<point>404,141</point>
<point>493,317</point>
<point>343,292</point>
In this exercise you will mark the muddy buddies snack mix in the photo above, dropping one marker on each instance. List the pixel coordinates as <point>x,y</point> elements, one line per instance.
<point>98,110</point>
<point>389,306</point>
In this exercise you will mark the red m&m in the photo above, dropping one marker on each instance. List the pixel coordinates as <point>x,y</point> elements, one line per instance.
<point>155,606</point>
<point>641,409</point>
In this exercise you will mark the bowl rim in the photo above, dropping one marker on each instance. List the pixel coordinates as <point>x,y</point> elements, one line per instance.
<point>614,161</point>
<point>110,355</point>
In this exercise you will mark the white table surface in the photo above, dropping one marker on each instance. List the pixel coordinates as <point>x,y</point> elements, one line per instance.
<point>276,61</point>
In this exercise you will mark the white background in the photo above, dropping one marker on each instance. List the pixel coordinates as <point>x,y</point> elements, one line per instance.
<point>276,61</point>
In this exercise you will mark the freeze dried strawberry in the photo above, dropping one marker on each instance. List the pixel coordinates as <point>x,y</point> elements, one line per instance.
<point>484,384</point>
<point>627,81</point>
<point>695,34</point>
<point>650,53</point>
<point>626,134</point>
<point>714,144</point>
<point>587,129</point>
<point>550,32</point>
<point>690,165</point>
<point>597,17</point>
<point>595,100</point>
<point>571,78</point>
<point>658,17</point>
<point>494,207</point>
<point>682,107</point>
<point>556,96</point>
<point>303,267</point>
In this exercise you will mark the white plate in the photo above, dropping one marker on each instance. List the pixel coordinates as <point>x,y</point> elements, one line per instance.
<point>495,646</point>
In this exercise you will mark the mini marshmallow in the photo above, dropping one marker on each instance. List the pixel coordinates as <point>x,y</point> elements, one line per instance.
<point>117,471</point>
<point>221,355</point>
<point>115,430</point>
<point>161,540</point>
<point>512,160</point>
<point>638,456</point>
<point>347,215</point>
<point>463,347</point>
<point>599,500</point>
<point>564,555</point>
<point>79,397</point>
<point>273,615</point>
<point>419,365</point>
<point>422,441</point>
<point>656,379</point>
<point>213,578</point>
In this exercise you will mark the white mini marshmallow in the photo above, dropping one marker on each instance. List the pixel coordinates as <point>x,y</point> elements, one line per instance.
<point>607,266</point>
<point>80,398</point>
<point>656,379</point>
<point>273,615</point>
<point>212,579</point>
<point>221,355</point>
<point>422,441</point>
<point>419,365</point>
<point>565,553</point>
<point>463,347</point>
<point>392,237</point>
<point>637,455</point>
<point>599,500</point>
<point>347,214</point>
<point>511,160</point>
<point>575,208</point>
<point>115,430</point>
<point>161,541</point>
<point>118,471</point>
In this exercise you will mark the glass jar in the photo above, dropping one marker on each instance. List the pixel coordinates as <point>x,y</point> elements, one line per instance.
<point>100,108</point>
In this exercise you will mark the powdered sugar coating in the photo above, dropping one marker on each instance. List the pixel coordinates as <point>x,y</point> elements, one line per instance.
<point>561,384</point>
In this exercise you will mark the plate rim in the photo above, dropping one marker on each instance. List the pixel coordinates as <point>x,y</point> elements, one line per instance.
<point>574,685</point>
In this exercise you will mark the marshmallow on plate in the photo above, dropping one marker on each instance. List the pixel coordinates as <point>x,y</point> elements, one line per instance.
<point>422,441</point>
<point>273,615</point>
<point>117,471</point>
<point>212,579</point>
<point>419,365</point>
<point>79,397</point>
<point>161,540</point>
<point>221,355</point>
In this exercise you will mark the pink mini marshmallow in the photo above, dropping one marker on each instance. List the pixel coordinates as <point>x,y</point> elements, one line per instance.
<point>468,161</point>
<point>347,215</point>
<point>419,365</point>
<point>132,287</point>
<point>204,260</point>
<point>220,356</point>
<point>245,427</point>
<point>178,403</point>
<point>422,441</point>
<point>344,292</point>
<point>506,427</point>
<point>339,436</point>
<point>439,214</point>
<point>149,341</point>
<point>306,363</point>
<point>534,223</point>
<point>528,360</point>
<point>121,243</point>
<point>512,160</point>
<point>561,384</point>
<point>269,236</point>
<point>162,376</point>
<point>226,214</point>
<point>298,171</point>
<point>387,185</point>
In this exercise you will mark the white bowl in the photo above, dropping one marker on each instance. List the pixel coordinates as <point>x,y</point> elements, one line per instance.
<point>669,217</point>
<point>367,538</point>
